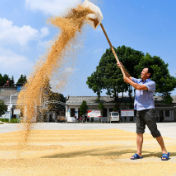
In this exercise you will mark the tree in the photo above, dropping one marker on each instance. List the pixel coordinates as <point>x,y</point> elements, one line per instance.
<point>6,77</point>
<point>130,58</point>
<point>3,107</point>
<point>167,99</point>
<point>2,80</point>
<point>22,79</point>
<point>109,77</point>
<point>58,97</point>
<point>11,81</point>
<point>83,108</point>
<point>165,83</point>
<point>49,95</point>
<point>100,106</point>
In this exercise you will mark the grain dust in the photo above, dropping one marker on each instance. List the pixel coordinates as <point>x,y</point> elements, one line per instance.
<point>33,94</point>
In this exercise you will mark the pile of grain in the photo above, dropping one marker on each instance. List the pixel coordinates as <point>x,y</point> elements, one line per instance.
<point>85,153</point>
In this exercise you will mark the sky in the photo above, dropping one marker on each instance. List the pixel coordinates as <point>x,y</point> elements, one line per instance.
<point>144,25</point>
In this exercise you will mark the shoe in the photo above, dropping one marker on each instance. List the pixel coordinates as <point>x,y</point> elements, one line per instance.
<point>136,156</point>
<point>166,156</point>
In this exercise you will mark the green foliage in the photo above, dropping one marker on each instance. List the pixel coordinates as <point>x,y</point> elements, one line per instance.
<point>13,120</point>
<point>100,106</point>
<point>2,80</point>
<point>3,107</point>
<point>109,77</point>
<point>167,99</point>
<point>58,97</point>
<point>4,120</point>
<point>11,81</point>
<point>83,108</point>
<point>165,83</point>
<point>5,78</point>
<point>115,109</point>
<point>92,119</point>
<point>49,95</point>
<point>22,79</point>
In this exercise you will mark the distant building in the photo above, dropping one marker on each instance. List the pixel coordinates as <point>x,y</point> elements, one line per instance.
<point>164,112</point>
<point>9,95</point>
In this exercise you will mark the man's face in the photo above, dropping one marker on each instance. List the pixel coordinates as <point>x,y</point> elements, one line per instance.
<point>145,74</point>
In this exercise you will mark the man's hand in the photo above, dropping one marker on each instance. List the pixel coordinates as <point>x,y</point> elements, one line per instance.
<point>119,64</point>
<point>127,80</point>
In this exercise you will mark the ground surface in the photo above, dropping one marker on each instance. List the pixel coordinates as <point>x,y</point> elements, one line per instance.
<point>84,149</point>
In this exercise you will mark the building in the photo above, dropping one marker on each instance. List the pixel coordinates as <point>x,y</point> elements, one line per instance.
<point>9,95</point>
<point>164,112</point>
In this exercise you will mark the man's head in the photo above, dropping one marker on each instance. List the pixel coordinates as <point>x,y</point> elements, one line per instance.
<point>146,73</point>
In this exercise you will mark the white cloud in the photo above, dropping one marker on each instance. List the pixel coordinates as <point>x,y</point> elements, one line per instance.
<point>44,32</point>
<point>14,64</point>
<point>51,7</point>
<point>11,34</point>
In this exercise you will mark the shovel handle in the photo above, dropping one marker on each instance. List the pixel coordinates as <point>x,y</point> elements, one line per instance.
<point>115,55</point>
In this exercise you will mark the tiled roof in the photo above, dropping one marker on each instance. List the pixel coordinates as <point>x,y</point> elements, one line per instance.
<point>88,99</point>
<point>76,100</point>
<point>159,99</point>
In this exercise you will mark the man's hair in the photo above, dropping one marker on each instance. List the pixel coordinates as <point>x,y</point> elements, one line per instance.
<point>150,70</point>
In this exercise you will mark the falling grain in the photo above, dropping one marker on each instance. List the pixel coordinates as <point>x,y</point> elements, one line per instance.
<point>33,92</point>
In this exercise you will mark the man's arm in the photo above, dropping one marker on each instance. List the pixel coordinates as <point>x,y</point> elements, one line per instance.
<point>135,85</point>
<point>126,73</point>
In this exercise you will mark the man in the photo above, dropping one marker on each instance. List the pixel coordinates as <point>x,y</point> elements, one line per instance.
<point>145,107</point>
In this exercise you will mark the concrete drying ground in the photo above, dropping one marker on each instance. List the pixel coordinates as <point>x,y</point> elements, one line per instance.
<point>84,149</point>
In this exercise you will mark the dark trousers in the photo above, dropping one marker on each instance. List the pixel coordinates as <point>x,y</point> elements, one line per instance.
<point>147,117</point>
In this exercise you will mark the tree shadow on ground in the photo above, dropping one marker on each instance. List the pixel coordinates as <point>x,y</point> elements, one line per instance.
<point>105,152</point>
<point>157,154</point>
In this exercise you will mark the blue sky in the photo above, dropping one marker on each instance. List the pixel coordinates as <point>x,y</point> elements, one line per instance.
<point>147,26</point>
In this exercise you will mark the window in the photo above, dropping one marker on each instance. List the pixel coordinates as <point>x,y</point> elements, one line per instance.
<point>115,114</point>
<point>167,113</point>
<point>72,112</point>
<point>105,112</point>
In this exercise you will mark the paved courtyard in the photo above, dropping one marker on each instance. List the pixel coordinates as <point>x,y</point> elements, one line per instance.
<point>166,129</point>
<point>83,149</point>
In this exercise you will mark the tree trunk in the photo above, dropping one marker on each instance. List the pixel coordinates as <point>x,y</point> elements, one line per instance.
<point>117,102</point>
<point>130,95</point>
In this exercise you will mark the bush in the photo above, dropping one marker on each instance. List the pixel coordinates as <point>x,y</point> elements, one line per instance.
<point>3,107</point>
<point>4,120</point>
<point>13,120</point>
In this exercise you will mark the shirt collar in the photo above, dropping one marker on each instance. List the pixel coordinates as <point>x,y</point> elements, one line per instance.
<point>147,80</point>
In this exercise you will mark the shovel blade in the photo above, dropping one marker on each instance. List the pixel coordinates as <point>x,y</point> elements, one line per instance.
<point>93,19</point>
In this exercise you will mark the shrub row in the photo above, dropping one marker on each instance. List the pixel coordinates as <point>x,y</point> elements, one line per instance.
<point>13,120</point>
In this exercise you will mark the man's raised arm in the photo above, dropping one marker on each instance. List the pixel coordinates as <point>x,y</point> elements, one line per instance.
<point>126,73</point>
